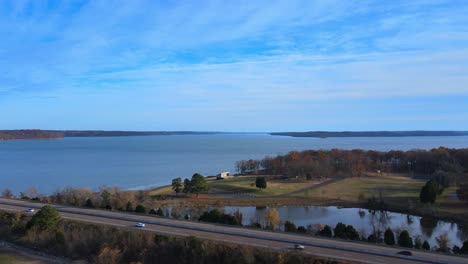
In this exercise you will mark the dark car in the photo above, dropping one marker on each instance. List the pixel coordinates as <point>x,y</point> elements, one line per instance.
<point>406,253</point>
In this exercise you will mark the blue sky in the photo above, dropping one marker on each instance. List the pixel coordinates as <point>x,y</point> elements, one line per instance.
<point>234,65</point>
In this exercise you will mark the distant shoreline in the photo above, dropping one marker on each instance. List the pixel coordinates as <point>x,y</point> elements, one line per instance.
<point>327,134</point>
<point>60,134</point>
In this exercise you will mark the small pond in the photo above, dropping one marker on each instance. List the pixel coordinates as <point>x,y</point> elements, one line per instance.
<point>363,221</point>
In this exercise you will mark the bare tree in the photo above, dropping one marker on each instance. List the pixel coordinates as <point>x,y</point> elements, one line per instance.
<point>7,193</point>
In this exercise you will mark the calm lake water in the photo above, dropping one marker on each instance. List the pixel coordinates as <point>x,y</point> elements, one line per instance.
<point>139,162</point>
<point>363,221</point>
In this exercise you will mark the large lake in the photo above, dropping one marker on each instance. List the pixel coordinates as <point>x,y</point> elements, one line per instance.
<point>139,162</point>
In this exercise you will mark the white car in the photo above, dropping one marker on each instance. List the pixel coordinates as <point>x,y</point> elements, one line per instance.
<point>140,225</point>
<point>29,210</point>
<point>297,246</point>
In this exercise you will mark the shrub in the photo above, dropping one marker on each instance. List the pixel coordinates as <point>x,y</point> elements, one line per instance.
<point>346,232</point>
<point>326,231</point>
<point>417,243</point>
<point>89,203</point>
<point>289,227</point>
<point>372,238</point>
<point>405,240</point>
<point>260,182</point>
<point>389,237</point>
<point>301,229</point>
<point>160,212</point>
<point>140,209</point>
<point>464,249</point>
<point>215,216</point>
<point>426,245</point>
<point>45,219</point>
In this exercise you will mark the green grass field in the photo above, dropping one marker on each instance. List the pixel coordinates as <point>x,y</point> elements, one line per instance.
<point>246,185</point>
<point>396,189</point>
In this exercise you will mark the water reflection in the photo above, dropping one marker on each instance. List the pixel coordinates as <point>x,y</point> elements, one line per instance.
<point>368,223</point>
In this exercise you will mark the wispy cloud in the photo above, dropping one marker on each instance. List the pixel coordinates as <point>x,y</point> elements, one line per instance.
<point>237,58</point>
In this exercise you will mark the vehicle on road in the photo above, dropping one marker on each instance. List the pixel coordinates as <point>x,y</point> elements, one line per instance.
<point>140,225</point>
<point>406,253</point>
<point>29,210</point>
<point>297,246</point>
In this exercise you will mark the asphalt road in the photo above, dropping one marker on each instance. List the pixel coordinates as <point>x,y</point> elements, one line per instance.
<point>337,249</point>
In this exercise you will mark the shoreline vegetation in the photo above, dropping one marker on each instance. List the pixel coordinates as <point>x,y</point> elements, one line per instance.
<point>328,134</point>
<point>59,134</point>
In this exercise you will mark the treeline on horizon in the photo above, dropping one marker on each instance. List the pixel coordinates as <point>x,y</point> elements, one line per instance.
<point>30,134</point>
<point>449,164</point>
<point>326,134</point>
<point>48,134</point>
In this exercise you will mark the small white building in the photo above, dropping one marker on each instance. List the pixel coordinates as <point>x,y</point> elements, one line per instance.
<point>223,175</point>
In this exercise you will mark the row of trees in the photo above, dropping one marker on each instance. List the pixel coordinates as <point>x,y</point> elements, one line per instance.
<point>403,239</point>
<point>106,198</point>
<point>195,185</point>
<point>451,165</point>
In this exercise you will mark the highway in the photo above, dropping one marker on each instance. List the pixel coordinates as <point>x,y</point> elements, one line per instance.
<point>328,248</point>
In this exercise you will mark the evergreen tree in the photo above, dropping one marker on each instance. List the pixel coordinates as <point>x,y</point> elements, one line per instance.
<point>140,209</point>
<point>187,186</point>
<point>464,249</point>
<point>260,182</point>
<point>177,185</point>
<point>45,219</point>
<point>340,230</point>
<point>405,240</point>
<point>429,192</point>
<point>326,231</point>
<point>198,184</point>
<point>351,233</point>
<point>89,203</point>
<point>417,243</point>
<point>389,237</point>
<point>426,245</point>
<point>289,227</point>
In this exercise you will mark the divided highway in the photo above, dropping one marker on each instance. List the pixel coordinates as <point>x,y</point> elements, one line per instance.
<point>338,249</point>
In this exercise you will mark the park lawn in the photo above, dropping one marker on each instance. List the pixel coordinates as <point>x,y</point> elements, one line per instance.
<point>165,190</point>
<point>448,203</point>
<point>394,190</point>
<point>246,185</point>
